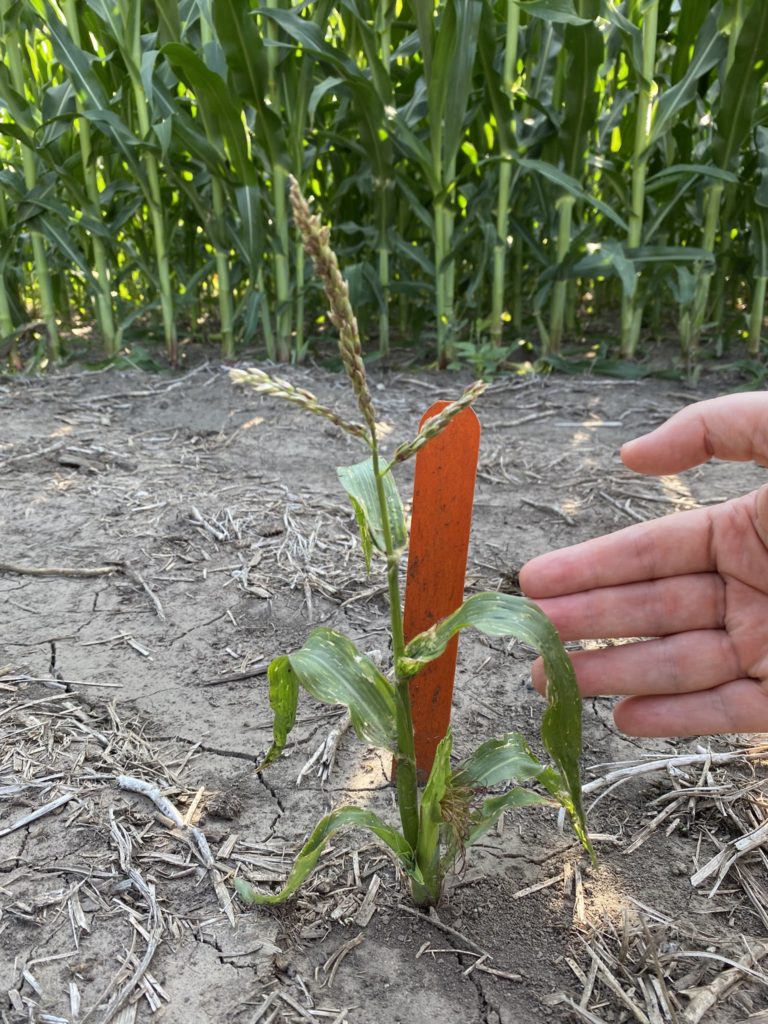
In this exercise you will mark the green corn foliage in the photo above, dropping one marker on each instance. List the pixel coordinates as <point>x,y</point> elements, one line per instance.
<point>494,170</point>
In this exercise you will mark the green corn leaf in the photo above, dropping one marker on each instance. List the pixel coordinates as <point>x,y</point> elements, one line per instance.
<point>689,22</point>
<point>562,11</point>
<point>250,237</point>
<point>243,47</point>
<point>711,47</point>
<point>507,615</point>
<point>431,818</point>
<point>628,32</point>
<point>424,15</point>
<point>585,49</point>
<point>78,65</point>
<point>58,109</point>
<point>609,258</point>
<point>59,235</point>
<point>170,20</point>
<point>449,89</point>
<point>367,103</point>
<point>344,817</point>
<point>689,172</point>
<point>220,113</point>
<point>489,812</point>
<point>284,700</point>
<point>332,670</point>
<point>359,482</point>
<point>366,542</point>
<point>741,90</point>
<point>759,241</point>
<point>506,758</point>
<point>572,187</point>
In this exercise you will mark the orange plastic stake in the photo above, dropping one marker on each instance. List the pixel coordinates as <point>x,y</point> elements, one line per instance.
<point>443,492</point>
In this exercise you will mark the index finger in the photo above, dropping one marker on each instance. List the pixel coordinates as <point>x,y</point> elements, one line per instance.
<point>671,546</point>
<point>733,427</point>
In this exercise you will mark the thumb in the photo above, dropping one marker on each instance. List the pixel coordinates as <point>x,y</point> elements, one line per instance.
<point>734,427</point>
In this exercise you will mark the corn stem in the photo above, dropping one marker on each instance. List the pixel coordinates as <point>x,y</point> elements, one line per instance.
<point>560,291</point>
<point>155,195</point>
<point>505,176</point>
<point>280,210</point>
<point>757,315</point>
<point>104,312</point>
<point>631,306</point>
<point>47,302</point>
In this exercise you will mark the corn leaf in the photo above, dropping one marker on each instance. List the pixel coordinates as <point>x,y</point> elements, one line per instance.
<point>343,817</point>
<point>741,90</point>
<point>584,46</point>
<point>430,811</point>
<point>359,482</point>
<point>489,812</point>
<point>284,700</point>
<point>220,114</point>
<point>507,615</point>
<point>332,670</point>
<point>711,47</point>
<point>570,185</point>
<point>562,11</point>
<point>449,90</point>
<point>506,758</point>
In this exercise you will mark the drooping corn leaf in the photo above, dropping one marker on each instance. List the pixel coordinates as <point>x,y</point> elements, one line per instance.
<point>283,699</point>
<point>332,670</point>
<point>507,615</point>
<point>506,758</point>
<point>489,812</point>
<point>359,481</point>
<point>343,817</point>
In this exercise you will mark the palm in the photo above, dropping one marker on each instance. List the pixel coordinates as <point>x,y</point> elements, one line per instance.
<point>696,581</point>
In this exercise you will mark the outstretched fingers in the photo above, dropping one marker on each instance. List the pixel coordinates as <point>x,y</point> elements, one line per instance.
<point>687,662</point>
<point>734,427</point>
<point>672,546</point>
<point>654,608</point>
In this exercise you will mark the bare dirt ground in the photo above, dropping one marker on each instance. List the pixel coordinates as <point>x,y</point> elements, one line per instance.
<point>162,539</point>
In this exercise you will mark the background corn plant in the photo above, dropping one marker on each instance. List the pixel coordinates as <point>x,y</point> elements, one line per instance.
<point>494,169</point>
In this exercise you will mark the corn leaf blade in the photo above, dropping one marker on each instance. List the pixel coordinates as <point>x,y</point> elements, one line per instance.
<point>333,671</point>
<point>507,615</point>
<point>343,817</point>
<point>489,812</point>
<point>284,700</point>
<point>359,481</point>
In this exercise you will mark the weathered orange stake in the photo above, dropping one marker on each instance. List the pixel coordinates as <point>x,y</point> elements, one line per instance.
<point>443,492</point>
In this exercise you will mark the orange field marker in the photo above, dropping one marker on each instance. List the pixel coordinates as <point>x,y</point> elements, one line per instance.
<point>443,493</point>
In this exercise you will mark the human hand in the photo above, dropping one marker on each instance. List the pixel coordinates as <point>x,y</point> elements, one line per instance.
<point>696,581</point>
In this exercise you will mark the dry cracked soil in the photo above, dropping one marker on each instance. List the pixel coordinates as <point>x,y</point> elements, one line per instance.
<point>162,539</point>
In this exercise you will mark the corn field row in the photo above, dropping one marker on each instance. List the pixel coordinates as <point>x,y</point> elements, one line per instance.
<point>491,168</point>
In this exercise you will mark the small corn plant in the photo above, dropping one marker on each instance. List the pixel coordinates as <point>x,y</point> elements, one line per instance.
<point>454,810</point>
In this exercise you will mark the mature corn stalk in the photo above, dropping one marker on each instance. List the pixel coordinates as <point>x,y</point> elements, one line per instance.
<point>104,311</point>
<point>745,73</point>
<point>505,129</point>
<point>631,305</point>
<point>15,43</point>
<point>435,153</point>
<point>220,203</point>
